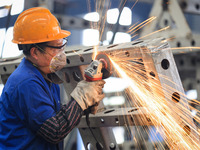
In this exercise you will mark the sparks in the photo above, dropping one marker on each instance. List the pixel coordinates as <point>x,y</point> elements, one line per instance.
<point>134,4</point>
<point>165,28</point>
<point>147,93</point>
<point>178,48</point>
<point>134,28</point>
<point>143,92</point>
<point>95,52</point>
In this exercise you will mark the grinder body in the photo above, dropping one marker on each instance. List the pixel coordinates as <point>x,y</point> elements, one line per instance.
<point>98,69</point>
<point>93,71</point>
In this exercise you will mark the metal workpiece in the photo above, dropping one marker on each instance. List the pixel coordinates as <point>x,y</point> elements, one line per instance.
<point>118,117</point>
<point>77,56</point>
<point>159,70</point>
<point>172,88</point>
<point>103,136</point>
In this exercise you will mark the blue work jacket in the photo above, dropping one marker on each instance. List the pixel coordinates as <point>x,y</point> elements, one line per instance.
<point>26,102</point>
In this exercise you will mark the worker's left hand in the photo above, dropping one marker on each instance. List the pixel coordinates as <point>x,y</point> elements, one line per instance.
<point>87,94</point>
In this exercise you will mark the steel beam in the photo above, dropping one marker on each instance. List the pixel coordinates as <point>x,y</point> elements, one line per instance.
<point>130,116</point>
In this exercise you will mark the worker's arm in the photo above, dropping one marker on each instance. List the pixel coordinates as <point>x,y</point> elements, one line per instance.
<point>84,95</point>
<point>36,110</point>
<point>56,128</point>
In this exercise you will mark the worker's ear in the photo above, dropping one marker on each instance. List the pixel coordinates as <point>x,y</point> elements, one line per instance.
<point>34,52</point>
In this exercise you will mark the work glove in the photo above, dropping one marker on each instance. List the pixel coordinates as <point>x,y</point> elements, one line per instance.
<point>88,94</point>
<point>94,109</point>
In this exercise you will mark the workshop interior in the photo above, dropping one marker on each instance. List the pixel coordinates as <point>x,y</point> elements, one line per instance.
<point>147,51</point>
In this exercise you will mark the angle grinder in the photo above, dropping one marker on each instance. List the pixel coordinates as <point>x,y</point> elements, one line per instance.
<point>98,69</point>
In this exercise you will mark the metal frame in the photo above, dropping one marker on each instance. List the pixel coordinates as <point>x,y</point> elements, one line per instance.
<point>155,52</point>
<point>159,50</point>
<point>186,59</point>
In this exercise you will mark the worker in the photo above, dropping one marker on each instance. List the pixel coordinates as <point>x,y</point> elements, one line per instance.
<point>31,115</point>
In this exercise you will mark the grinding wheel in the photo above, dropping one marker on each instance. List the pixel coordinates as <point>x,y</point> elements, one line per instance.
<point>107,65</point>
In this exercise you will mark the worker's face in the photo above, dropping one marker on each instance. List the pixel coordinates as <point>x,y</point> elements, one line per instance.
<point>52,57</point>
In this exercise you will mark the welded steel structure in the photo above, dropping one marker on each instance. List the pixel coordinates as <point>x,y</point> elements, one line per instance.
<point>158,60</point>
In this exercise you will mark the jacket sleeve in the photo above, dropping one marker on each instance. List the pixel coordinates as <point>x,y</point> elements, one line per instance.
<point>56,128</point>
<point>32,103</point>
<point>34,107</point>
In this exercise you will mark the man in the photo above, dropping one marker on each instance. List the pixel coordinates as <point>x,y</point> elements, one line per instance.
<point>31,116</point>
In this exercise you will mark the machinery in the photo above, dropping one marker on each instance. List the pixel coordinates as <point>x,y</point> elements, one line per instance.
<point>99,69</point>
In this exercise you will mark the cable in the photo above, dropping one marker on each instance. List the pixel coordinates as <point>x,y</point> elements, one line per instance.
<point>99,146</point>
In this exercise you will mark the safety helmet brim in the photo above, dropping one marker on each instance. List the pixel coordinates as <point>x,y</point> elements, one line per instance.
<point>61,35</point>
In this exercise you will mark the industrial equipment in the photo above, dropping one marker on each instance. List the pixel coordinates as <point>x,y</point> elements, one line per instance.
<point>99,69</point>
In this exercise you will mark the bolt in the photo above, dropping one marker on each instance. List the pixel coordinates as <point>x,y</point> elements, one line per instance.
<point>112,146</point>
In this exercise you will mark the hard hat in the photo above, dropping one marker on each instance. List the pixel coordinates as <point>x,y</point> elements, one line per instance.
<point>36,25</point>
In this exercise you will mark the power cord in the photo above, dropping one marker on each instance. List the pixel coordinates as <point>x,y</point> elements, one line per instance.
<point>99,146</point>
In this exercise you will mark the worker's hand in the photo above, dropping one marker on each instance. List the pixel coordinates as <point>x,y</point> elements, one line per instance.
<point>94,108</point>
<point>88,93</point>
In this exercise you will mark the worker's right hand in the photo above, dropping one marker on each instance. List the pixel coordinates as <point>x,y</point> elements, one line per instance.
<point>88,93</point>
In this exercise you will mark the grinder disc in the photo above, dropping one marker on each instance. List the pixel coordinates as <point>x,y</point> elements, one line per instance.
<point>107,65</point>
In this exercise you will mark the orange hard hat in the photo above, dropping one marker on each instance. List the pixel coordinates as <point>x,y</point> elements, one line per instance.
<point>36,25</point>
